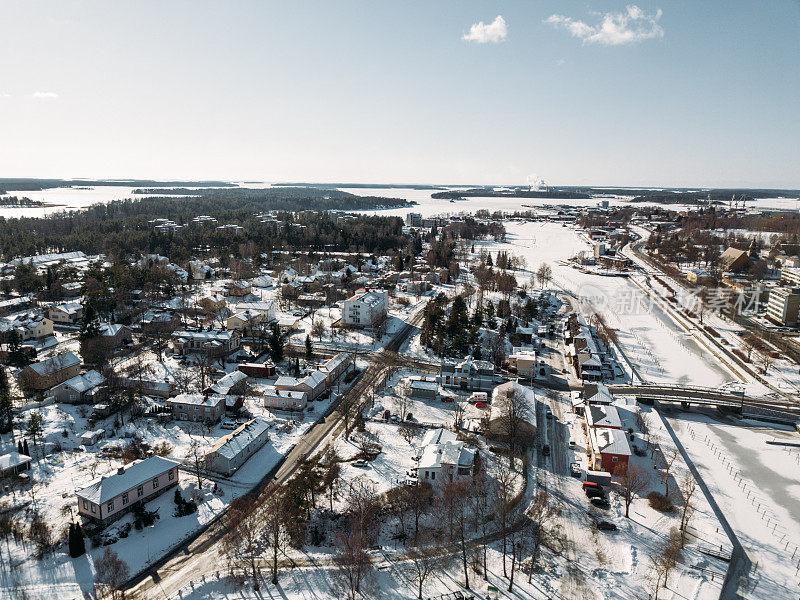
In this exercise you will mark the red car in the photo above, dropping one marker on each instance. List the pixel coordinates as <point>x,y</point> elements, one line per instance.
<point>591,484</point>
<point>480,405</point>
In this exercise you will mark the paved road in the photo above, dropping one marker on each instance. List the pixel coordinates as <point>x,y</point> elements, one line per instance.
<point>202,556</point>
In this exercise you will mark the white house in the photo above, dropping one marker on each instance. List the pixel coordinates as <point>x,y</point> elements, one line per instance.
<point>443,459</point>
<point>68,313</point>
<point>283,399</point>
<point>469,374</point>
<point>365,308</point>
<point>231,451</point>
<point>81,388</point>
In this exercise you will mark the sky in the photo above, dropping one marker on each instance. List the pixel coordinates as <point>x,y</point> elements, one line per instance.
<point>662,93</point>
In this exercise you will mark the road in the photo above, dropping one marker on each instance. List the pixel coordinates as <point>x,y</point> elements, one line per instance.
<point>202,556</point>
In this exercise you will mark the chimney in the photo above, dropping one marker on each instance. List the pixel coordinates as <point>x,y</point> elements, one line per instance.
<point>120,471</point>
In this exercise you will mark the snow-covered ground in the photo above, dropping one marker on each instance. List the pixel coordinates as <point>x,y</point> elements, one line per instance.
<point>757,485</point>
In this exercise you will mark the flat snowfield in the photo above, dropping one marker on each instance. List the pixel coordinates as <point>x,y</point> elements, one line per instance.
<point>656,347</point>
<point>757,485</point>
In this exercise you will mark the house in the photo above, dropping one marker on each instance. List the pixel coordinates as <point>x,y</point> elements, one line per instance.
<point>526,364</point>
<point>283,399</point>
<point>266,308</point>
<point>197,407</point>
<point>735,260</point>
<point>783,306</point>
<point>212,343</point>
<point>50,372</point>
<point>263,281</point>
<point>148,387</point>
<point>13,463</point>
<point>200,271</point>
<point>69,313</point>
<point>603,416</point>
<point>90,438</point>
<point>597,393</point>
<point>212,303</point>
<point>498,423</point>
<point>443,459</point>
<point>238,289</point>
<point>115,335</point>
<point>244,320</point>
<point>469,374</point>
<point>609,449</point>
<point>288,323</point>
<point>287,275</point>
<point>232,383</point>
<point>159,321</point>
<point>84,388</point>
<point>423,389</point>
<point>231,451</point>
<point>260,370</point>
<point>313,384</point>
<point>26,327</point>
<point>365,308</point>
<point>108,498</point>
<point>335,366</point>
<point>698,276</point>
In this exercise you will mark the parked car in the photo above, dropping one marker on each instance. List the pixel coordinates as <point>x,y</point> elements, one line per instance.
<point>575,470</point>
<point>386,415</point>
<point>480,405</point>
<point>595,493</point>
<point>600,502</point>
<point>548,413</point>
<point>591,484</point>
<point>361,463</point>
<point>606,526</point>
<point>572,444</point>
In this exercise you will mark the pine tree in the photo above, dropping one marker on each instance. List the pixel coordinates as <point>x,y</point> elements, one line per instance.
<point>25,448</point>
<point>309,349</point>
<point>80,540</point>
<point>19,447</point>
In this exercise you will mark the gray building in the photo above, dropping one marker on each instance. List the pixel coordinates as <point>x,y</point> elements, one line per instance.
<point>232,451</point>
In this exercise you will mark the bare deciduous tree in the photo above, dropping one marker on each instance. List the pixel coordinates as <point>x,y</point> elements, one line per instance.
<point>687,488</point>
<point>424,560</point>
<point>632,480</point>
<point>242,543</point>
<point>111,574</point>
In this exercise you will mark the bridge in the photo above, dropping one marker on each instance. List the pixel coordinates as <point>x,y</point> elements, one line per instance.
<point>702,396</point>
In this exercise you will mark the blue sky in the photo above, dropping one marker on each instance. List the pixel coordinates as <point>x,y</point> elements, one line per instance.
<point>680,93</point>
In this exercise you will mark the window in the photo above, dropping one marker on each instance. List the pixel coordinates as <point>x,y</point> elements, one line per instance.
<point>93,508</point>
<point>85,505</point>
<point>614,459</point>
<point>171,475</point>
<point>426,474</point>
<point>433,475</point>
<point>155,483</point>
<point>140,491</point>
<point>110,506</point>
<point>124,498</point>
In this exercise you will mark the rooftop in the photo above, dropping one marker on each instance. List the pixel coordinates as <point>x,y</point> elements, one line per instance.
<point>107,488</point>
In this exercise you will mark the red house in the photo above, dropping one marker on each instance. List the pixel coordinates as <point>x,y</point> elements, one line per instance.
<point>609,449</point>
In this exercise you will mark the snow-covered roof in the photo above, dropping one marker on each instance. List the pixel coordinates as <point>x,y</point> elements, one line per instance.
<point>238,440</point>
<point>107,488</point>
<point>211,336</point>
<point>69,308</point>
<point>419,384</point>
<point>287,381</point>
<point>314,379</point>
<point>602,415</point>
<point>196,399</point>
<point>84,383</point>
<point>438,436</point>
<point>610,441</point>
<point>271,390</point>
<point>54,364</point>
<point>13,459</point>
<point>224,385</point>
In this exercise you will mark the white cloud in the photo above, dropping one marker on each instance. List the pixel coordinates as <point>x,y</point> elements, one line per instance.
<point>46,95</point>
<point>615,29</point>
<point>3,95</point>
<point>481,33</point>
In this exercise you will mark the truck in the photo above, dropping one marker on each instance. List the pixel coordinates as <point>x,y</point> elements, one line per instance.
<point>598,477</point>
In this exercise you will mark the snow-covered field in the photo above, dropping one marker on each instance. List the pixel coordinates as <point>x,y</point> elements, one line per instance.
<point>757,485</point>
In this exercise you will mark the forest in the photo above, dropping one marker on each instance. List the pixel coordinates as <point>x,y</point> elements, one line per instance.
<point>26,184</point>
<point>123,227</point>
